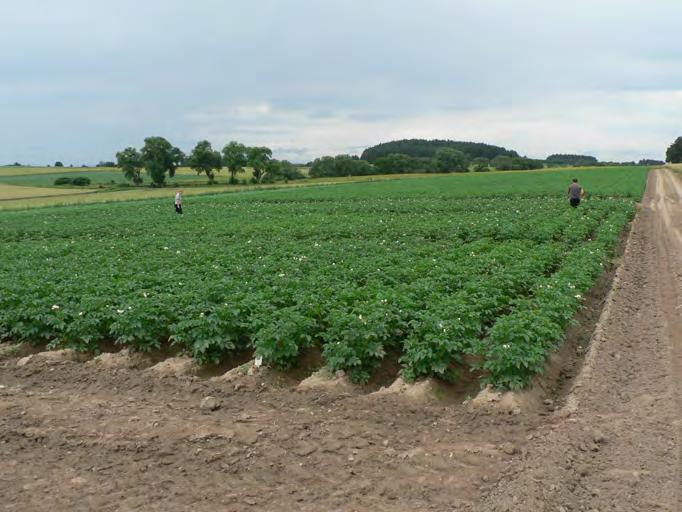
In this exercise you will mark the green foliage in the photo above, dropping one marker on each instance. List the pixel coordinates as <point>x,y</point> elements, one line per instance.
<point>451,160</point>
<point>204,160</point>
<point>235,159</point>
<point>396,163</point>
<point>282,170</point>
<point>130,162</point>
<point>674,152</point>
<point>58,164</point>
<point>506,163</point>
<point>160,158</point>
<point>340,165</point>
<point>428,148</point>
<point>573,160</point>
<point>420,268</point>
<point>78,181</point>
<point>259,158</point>
<point>480,164</point>
<point>650,162</point>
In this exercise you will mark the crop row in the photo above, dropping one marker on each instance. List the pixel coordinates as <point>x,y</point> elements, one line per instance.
<point>430,278</point>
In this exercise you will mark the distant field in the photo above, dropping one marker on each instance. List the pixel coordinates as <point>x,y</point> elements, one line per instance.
<point>45,176</point>
<point>96,177</point>
<point>615,180</point>
<point>14,194</point>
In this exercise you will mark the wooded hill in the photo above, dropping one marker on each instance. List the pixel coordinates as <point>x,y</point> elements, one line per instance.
<point>427,149</point>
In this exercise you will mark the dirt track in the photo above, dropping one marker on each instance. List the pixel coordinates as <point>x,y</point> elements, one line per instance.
<point>78,436</point>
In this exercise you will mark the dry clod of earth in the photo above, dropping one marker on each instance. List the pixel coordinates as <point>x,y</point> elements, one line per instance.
<point>123,359</point>
<point>324,380</point>
<point>53,357</point>
<point>209,403</point>
<point>491,400</point>
<point>174,367</point>
<point>235,373</point>
<point>11,350</point>
<point>421,391</point>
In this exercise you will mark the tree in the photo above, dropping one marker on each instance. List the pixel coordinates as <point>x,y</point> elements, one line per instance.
<point>284,170</point>
<point>451,160</point>
<point>259,160</point>
<point>204,159</point>
<point>574,160</point>
<point>340,165</point>
<point>322,167</point>
<point>480,164</point>
<point>674,152</point>
<point>130,162</point>
<point>58,164</point>
<point>505,163</point>
<point>160,157</point>
<point>235,159</point>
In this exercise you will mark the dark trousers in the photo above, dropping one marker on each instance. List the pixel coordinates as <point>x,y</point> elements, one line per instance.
<point>178,209</point>
<point>575,201</point>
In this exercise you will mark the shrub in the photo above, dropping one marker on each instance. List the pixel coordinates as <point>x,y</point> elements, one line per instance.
<point>80,181</point>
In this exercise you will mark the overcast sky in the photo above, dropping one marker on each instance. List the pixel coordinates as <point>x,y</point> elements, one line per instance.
<point>81,79</point>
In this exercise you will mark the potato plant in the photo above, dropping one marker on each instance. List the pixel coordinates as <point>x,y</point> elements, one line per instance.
<point>358,271</point>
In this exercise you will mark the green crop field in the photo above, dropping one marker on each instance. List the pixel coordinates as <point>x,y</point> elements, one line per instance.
<point>96,178</point>
<point>45,176</point>
<point>487,268</point>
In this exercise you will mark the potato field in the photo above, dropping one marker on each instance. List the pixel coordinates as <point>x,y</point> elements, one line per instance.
<point>448,274</point>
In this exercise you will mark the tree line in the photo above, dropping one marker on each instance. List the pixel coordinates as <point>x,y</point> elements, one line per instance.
<point>160,159</point>
<point>445,159</point>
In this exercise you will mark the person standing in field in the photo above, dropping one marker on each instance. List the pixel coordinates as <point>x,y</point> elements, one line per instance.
<point>575,193</point>
<point>178,202</point>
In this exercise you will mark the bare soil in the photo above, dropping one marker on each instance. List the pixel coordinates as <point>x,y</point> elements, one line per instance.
<point>114,435</point>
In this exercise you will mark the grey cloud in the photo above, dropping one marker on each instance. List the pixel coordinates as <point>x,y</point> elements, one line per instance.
<point>81,79</point>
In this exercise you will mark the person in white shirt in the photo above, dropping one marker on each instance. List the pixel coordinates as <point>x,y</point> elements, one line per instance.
<point>178,202</point>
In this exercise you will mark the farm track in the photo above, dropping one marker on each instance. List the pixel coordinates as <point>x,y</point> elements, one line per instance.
<point>76,436</point>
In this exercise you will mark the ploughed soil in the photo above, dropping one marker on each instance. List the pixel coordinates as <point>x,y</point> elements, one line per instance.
<point>600,432</point>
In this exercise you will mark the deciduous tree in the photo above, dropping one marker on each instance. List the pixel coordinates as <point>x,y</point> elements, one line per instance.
<point>235,159</point>
<point>160,158</point>
<point>204,159</point>
<point>451,160</point>
<point>130,162</point>
<point>674,153</point>
<point>259,160</point>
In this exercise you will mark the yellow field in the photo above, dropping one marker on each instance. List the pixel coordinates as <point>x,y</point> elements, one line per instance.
<point>14,193</point>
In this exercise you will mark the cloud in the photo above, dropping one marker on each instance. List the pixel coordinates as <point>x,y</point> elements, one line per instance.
<point>598,123</point>
<point>311,78</point>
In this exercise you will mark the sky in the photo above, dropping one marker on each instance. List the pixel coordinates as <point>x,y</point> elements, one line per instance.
<point>83,79</point>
